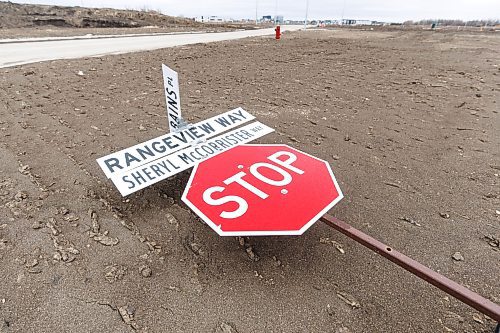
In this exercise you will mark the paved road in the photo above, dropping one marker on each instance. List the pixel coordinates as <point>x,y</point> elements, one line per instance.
<point>18,52</point>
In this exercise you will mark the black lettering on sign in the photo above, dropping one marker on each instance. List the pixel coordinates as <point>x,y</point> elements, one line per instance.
<point>234,136</point>
<point>172,105</point>
<point>174,117</point>
<point>148,173</point>
<point>221,143</point>
<point>113,162</point>
<point>195,157</point>
<point>145,151</point>
<point>207,128</point>
<point>160,149</point>
<point>214,146</point>
<point>256,129</point>
<point>197,150</point>
<point>207,149</point>
<point>188,133</point>
<point>233,118</point>
<point>230,140</point>
<point>240,113</point>
<point>163,165</point>
<point>181,137</point>
<point>129,158</point>
<point>138,177</point>
<point>241,136</point>
<point>173,165</point>
<point>126,180</point>
<point>168,142</point>
<point>248,134</point>
<point>222,121</point>
<point>156,169</point>
<point>194,131</point>
<point>172,102</point>
<point>185,158</point>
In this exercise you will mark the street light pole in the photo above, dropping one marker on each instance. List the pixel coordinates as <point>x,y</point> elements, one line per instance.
<point>276,12</point>
<point>343,9</point>
<point>256,5</point>
<point>307,10</point>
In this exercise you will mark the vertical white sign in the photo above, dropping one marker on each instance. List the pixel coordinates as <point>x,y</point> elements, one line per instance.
<point>172,97</point>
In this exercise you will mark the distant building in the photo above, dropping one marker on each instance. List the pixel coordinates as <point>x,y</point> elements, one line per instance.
<point>210,19</point>
<point>356,22</point>
<point>279,19</point>
<point>267,18</point>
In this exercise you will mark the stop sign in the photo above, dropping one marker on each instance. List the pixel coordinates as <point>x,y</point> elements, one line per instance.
<point>257,190</point>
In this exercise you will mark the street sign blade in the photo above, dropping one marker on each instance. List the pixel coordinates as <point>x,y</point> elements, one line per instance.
<point>172,97</point>
<point>152,172</point>
<point>164,145</point>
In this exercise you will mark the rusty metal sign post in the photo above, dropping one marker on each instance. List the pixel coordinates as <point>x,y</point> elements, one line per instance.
<point>450,287</point>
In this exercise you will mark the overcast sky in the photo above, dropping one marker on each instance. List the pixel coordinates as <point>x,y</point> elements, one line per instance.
<point>381,10</point>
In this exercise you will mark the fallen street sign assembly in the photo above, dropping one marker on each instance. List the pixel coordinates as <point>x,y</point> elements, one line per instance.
<point>251,190</point>
<point>147,163</point>
<point>259,190</point>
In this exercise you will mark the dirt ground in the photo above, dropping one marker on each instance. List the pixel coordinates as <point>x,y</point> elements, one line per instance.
<point>42,32</point>
<point>409,122</point>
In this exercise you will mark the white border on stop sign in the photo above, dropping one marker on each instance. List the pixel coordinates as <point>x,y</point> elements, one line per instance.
<point>220,232</point>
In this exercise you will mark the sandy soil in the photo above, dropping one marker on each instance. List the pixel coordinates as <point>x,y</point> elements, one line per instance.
<point>408,120</point>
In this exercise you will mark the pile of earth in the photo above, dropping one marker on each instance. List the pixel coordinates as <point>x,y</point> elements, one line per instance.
<point>14,15</point>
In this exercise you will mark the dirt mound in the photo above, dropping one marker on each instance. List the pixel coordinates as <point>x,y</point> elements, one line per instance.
<point>14,15</point>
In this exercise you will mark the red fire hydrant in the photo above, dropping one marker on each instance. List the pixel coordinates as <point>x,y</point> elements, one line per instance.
<point>278,32</point>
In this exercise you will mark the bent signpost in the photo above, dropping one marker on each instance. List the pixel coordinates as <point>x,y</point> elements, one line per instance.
<point>450,287</point>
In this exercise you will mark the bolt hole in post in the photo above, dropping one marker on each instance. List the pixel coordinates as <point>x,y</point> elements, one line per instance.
<point>388,249</point>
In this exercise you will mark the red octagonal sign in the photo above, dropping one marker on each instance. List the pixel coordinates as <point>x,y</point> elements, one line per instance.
<point>257,190</point>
